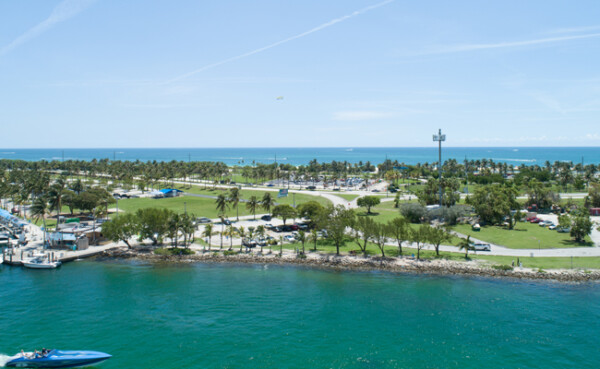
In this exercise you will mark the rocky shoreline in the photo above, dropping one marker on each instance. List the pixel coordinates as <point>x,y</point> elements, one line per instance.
<point>357,263</point>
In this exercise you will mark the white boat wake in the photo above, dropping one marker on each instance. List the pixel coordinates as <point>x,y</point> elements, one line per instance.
<point>4,359</point>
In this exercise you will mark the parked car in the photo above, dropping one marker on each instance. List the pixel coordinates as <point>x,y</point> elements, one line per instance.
<point>563,229</point>
<point>303,226</point>
<point>203,220</point>
<point>376,190</point>
<point>289,238</point>
<point>266,217</point>
<point>311,188</point>
<point>261,242</point>
<point>294,227</point>
<point>481,247</point>
<point>269,226</point>
<point>552,227</point>
<point>545,223</point>
<point>278,229</point>
<point>270,185</point>
<point>535,220</point>
<point>226,221</point>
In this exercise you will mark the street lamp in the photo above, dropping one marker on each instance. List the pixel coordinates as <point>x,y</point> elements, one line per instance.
<point>439,138</point>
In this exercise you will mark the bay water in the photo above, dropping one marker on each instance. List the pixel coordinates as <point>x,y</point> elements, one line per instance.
<point>267,316</point>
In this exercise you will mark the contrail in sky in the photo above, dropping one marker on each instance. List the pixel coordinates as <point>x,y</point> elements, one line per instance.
<point>281,42</point>
<point>502,45</point>
<point>63,11</point>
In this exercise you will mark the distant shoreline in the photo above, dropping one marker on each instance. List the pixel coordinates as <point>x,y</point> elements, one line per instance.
<point>358,263</point>
<point>303,155</point>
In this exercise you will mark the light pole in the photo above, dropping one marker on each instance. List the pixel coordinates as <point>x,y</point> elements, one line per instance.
<point>439,138</point>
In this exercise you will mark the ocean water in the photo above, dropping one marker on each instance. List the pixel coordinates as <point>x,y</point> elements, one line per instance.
<point>300,156</point>
<point>255,316</point>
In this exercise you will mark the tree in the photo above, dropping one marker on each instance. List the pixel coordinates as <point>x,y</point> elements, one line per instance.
<point>419,236</point>
<point>564,221</point>
<point>465,244</point>
<point>302,238</point>
<point>242,233</point>
<point>364,231</point>
<point>40,209</point>
<point>339,218</point>
<point>414,213</point>
<point>368,202</point>
<point>314,237</point>
<point>121,228</point>
<point>267,202</point>
<point>430,194</point>
<point>380,236</point>
<point>399,229</point>
<point>222,204</point>
<point>284,212</point>
<point>153,223</point>
<point>311,210</point>
<point>234,199</point>
<point>581,227</point>
<point>208,232</point>
<point>493,203</point>
<point>436,236</point>
<point>252,205</point>
<point>592,200</point>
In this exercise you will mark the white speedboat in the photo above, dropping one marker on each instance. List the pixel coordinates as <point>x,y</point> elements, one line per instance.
<point>41,263</point>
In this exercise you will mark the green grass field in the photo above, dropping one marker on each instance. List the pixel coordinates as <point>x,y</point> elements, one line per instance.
<point>246,194</point>
<point>525,236</point>
<point>206,207</point>
<point>391,251</point>
<point>348,197</point>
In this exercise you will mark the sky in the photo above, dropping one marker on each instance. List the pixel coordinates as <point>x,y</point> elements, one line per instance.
<point>282,73</point>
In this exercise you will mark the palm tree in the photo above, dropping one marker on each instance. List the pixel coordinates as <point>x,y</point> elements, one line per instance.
<point>260,232</point>
<point>230,233</point>
<point>314,237</point>
<point>267,202</point>
<point>252,204</point>
<point>40,209</point>
<point>234,198</point>
<point>302,238</point>
<point>208,232</point>
<point>242,233</point>
<point>222,204</point>
<point>466,245</point>
<point>55,197</point>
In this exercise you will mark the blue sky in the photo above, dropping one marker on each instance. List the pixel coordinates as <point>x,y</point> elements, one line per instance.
<point>99,73</point>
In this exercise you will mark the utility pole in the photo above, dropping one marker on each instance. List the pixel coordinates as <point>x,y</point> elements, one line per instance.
<point>439,138</point>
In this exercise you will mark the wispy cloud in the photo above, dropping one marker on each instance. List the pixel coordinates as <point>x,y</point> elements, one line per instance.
<point>574,30</point>
<point>505,45</point>
<point>281,42</point>
<point>62,12</point>
<point>360,115</point>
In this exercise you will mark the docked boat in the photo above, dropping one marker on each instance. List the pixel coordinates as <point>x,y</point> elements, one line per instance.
<point>57,359</point>
<point>41,262</point>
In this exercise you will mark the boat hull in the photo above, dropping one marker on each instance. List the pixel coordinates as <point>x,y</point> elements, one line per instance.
<point>60,359</point>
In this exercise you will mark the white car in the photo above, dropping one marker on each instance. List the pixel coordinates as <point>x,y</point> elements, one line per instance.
<point>481,247</point>
<point>289,238</point>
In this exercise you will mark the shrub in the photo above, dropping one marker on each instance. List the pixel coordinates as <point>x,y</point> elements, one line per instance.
<point>503,267</point>
<point>413,212</point>
<point>173,251</point>
<point>229,252</point>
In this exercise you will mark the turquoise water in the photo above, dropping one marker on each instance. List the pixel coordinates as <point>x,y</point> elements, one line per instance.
<point>301,156</point>
<point>228,316</point>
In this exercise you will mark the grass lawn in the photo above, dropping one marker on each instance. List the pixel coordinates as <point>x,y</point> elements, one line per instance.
<point>199,206</point>
<point>525,236</point>
<point>206,207</point>
<point>391,251</point>
<point>245,194</point>
<point>346,196</point>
